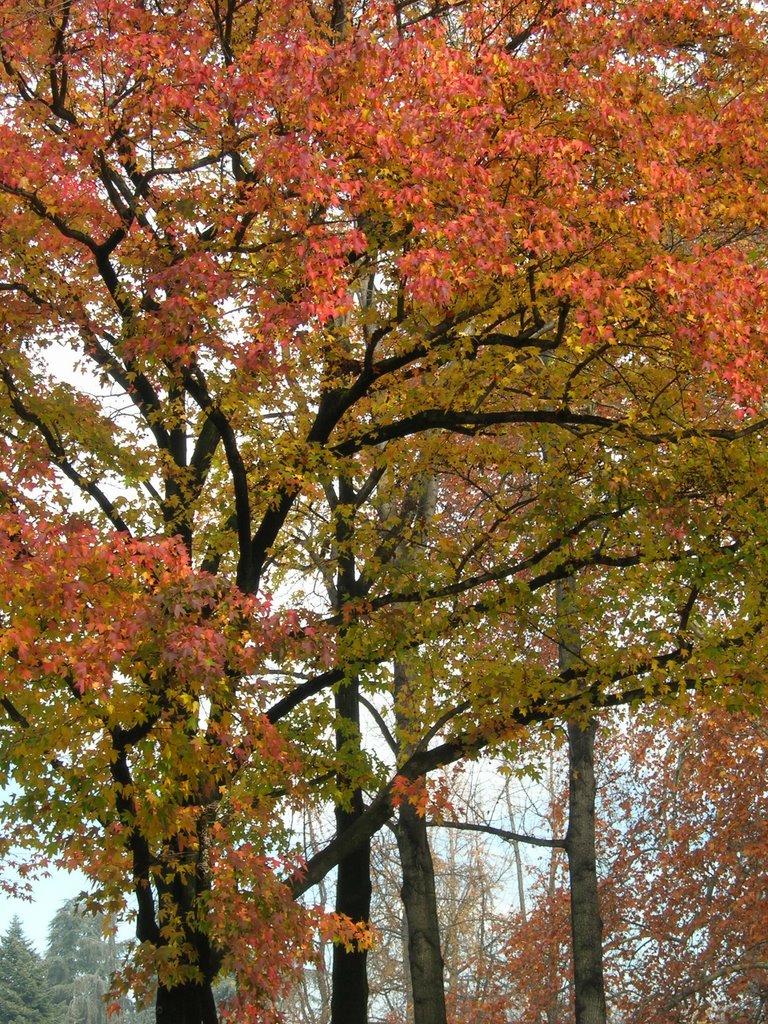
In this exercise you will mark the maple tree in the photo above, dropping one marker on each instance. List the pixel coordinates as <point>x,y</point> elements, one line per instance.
<point>263,265</point>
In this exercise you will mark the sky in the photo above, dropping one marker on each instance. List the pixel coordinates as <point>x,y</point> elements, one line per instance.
<point>48,895</point>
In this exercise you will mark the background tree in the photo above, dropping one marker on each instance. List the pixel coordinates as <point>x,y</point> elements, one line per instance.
<point>687,886</point>
<point>78,947</point>
<point>24,996</point>
<point>680,829</point>
<point>82,957</point>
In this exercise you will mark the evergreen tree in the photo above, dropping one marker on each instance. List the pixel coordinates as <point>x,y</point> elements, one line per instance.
<point>81,958</point>
<point>88,1003</point>
<point>24,994</point>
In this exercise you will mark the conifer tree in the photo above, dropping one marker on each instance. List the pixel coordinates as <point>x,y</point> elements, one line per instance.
<point>24,996</point>
<point>80,962</point>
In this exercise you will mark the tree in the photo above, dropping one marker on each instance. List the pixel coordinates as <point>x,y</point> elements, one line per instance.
<point>81,958</point>
<point>681,833</point>
<point>687,884</point>
<point>264,263</point>
<point>77,942</point>
<point>24,997</point>
<point>469,875</point>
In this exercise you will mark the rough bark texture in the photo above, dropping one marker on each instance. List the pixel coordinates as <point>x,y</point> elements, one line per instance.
<point>586,924</point>
<point>420,902</point>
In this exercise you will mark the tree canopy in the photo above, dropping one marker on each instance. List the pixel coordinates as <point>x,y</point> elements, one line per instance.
<point>335,336</point>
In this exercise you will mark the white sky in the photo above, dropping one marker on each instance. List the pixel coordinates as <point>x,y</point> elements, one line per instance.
<point>49,894</point>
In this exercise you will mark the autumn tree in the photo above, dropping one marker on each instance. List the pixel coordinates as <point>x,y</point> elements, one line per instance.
<point>681,832</point>
<point>687,918</point>
<point>262,261</point>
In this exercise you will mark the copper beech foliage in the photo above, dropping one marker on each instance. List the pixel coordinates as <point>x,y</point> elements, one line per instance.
<point>264,265</point>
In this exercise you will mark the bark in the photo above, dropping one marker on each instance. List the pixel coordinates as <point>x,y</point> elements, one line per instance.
<point>553,1011</point>
<point>425,960</point>
<point>580,842</point>
<point>586,924</point>
<point>186,1004</point>
<point>349,973</point>
<point>190,1002</point>
<point>349,985</point>
<point>420,903</point>
<point>339,20</point>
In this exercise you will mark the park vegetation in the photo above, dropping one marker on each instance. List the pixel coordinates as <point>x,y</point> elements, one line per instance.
<point>382,393</point>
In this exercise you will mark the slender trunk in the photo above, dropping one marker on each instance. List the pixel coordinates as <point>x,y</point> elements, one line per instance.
<point>420,903</point>
<point>349,984</point>
<point>586,924</point>
<point>425,959</point>
<point>580,842</point>
<point>349,972</point>
<point>520,874</point>
<point>553,1012</point>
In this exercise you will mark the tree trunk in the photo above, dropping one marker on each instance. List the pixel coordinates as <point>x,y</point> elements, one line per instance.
<point>425,957</point>
<point>191,1003</point>
<point>349,991</point>
<point>349,975</point>
<point>580,844</point>
<point>586,924</point>
<point>420,902</point>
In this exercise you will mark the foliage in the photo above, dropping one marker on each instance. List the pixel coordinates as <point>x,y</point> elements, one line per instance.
<point>264,266</point>
<point>695,833</point>
<point>78,943</point>
<point>681,847</point>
